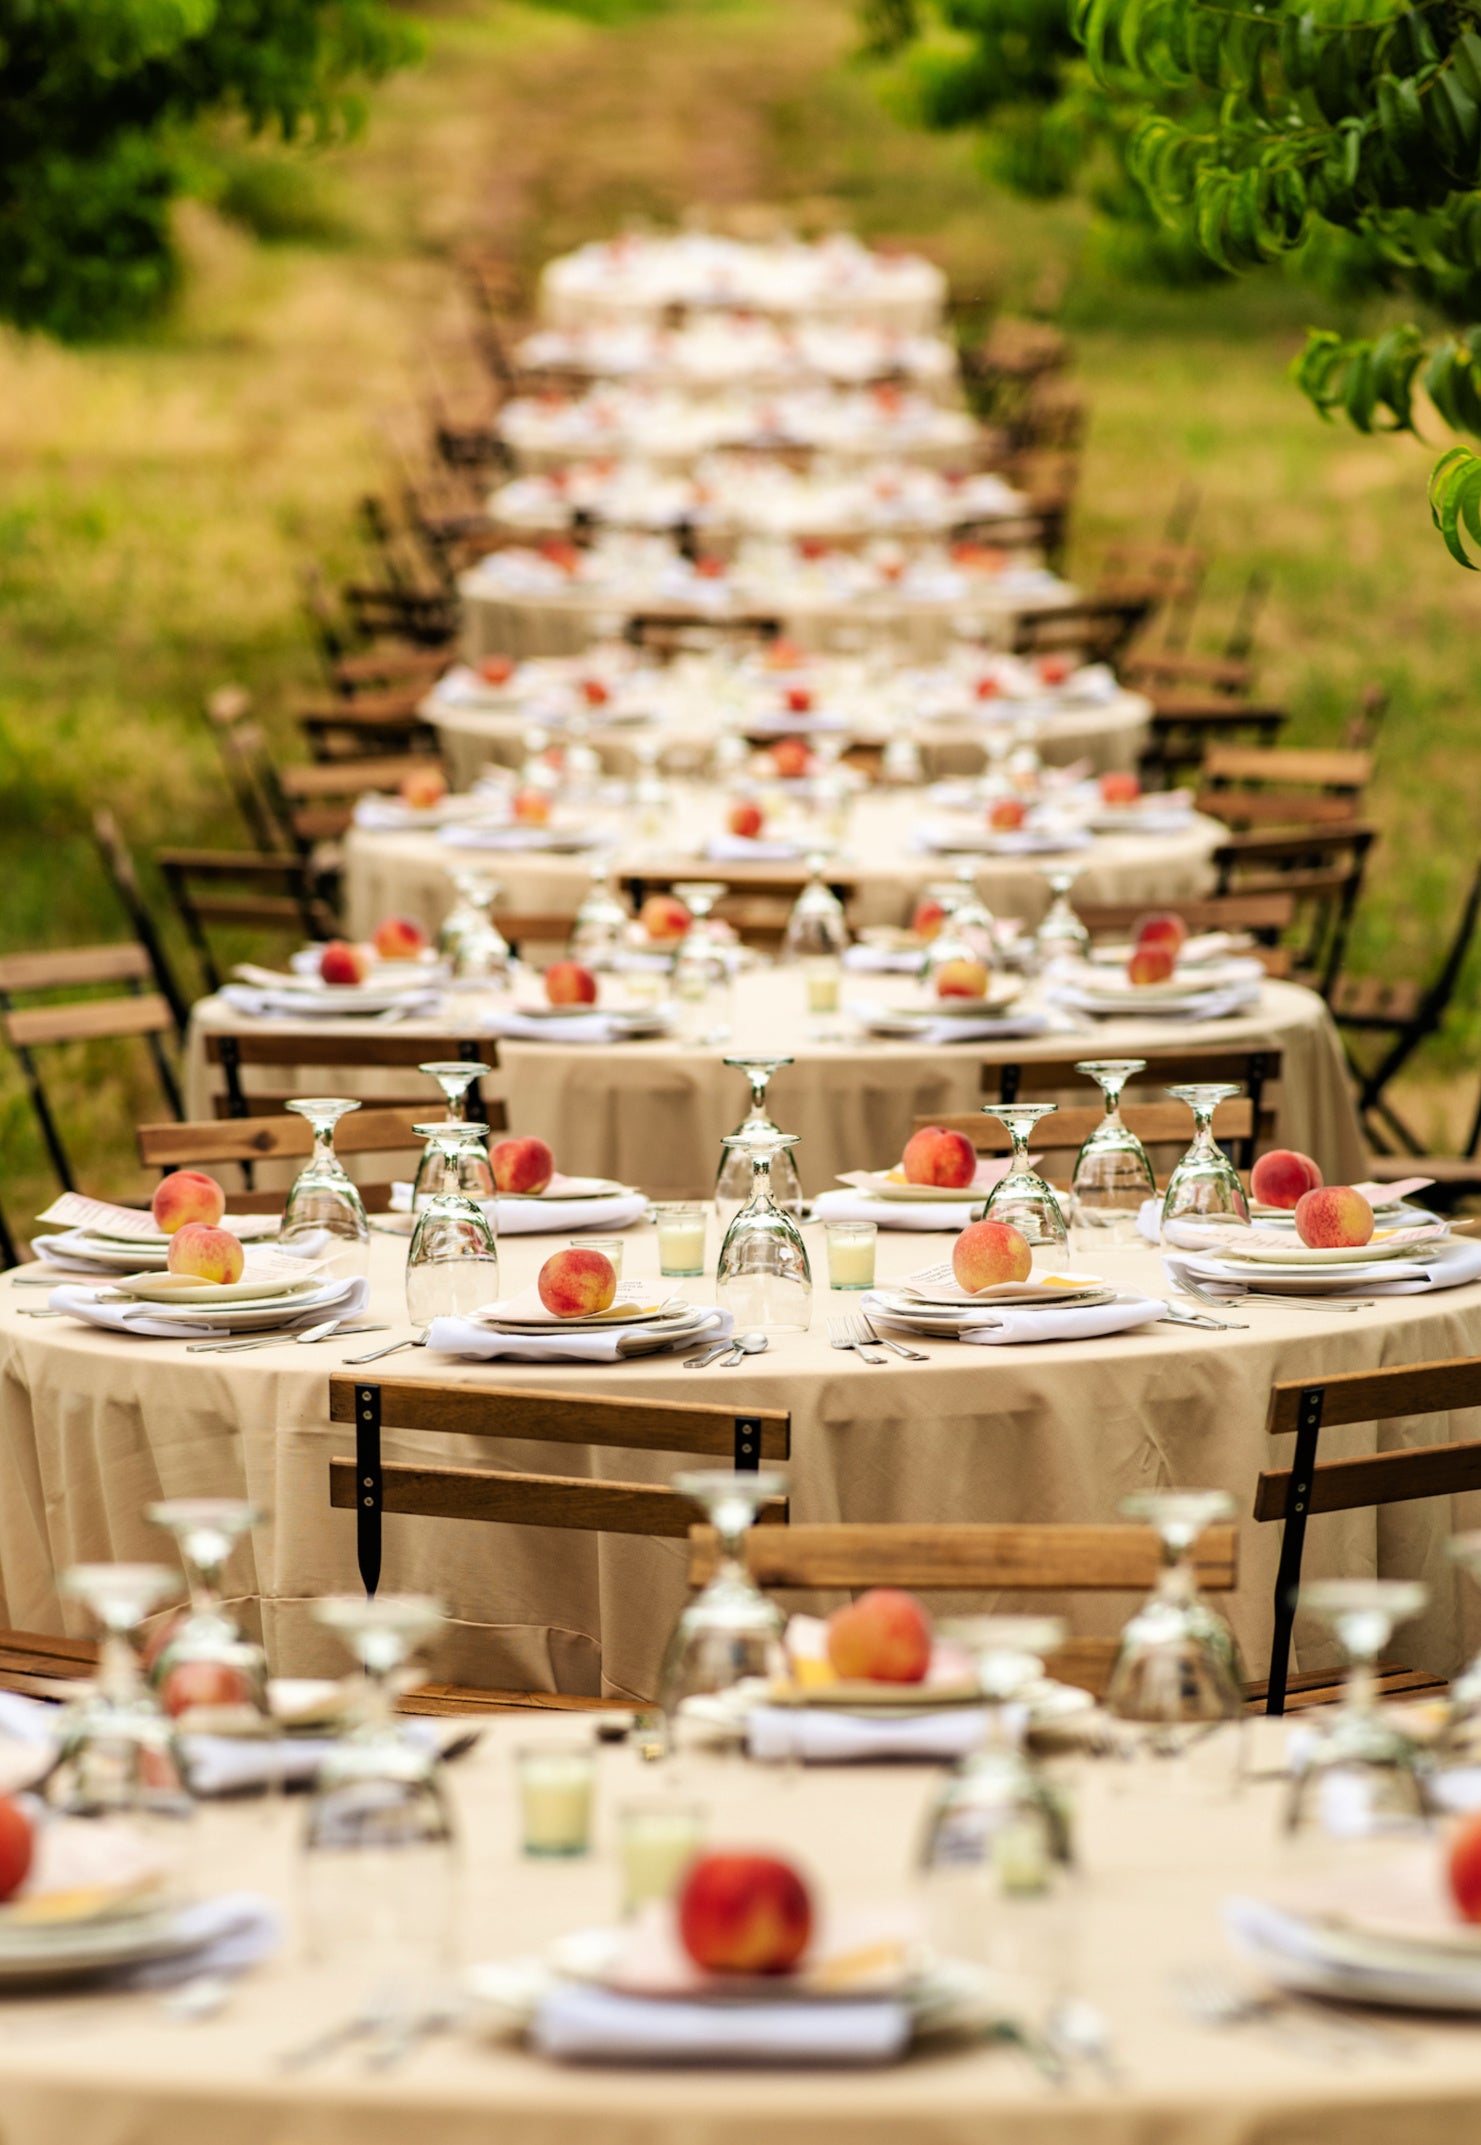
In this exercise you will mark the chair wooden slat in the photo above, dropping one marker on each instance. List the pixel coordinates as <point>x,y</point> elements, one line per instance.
<point>1360,1396</point>
<point>267,1047</point>
<point>1320,769</point>
<point>61,968</point>
<point>1377,1478</point>
<point>1045,1557</point>
<point>518,1412</point>
<point>527,1500</point>
<point>1216,912</point>
<point>93,1020</point>
<point>260,1139</point>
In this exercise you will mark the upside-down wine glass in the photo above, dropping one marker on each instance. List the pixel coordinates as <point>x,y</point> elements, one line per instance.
<point>762,1274</point>
<point>478,948</point>
<point>323,1214</point>
<point>972,919</point>
<point>118,1756</point>
<point>207,1663</point>
<point>735,1182</point>
<point>1205,1185</point>
<point>730,1632</point>
<point>1022,1198</point>
<point>1462,1740</point>
<point>1061,936</point>
<point>452,1264</point>
<point>601,921</point>
<point>817,929</point>
<point>1359,1773</point>
<point>702,963</point>
<point>1177,1683</point>
<point>379,1845</point>
<point>454,1076</point>
<point>1112,1175</point>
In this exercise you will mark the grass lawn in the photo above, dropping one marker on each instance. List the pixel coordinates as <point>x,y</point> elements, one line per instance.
<point>157,498</point>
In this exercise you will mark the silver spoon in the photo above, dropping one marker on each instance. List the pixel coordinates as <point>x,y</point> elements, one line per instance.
<point>418,1340</point>
<point>745,1344</point>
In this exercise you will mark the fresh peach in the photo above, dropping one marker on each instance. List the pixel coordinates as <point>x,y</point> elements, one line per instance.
<point>791,759</point>
<point>1462,1868</point>
<point>927,917</point>
<point>812,547</point>
<point>1005,815</point>
<point>782,654</point>
<point>497,669</point>
<point>186,1195</point>
<point>1151,963</point>
<point>399,938</point>
<point>988,688</point>
<point>423,787</point>
<point>744,1914</point>
<point>1120,786</point>
<point>1162,927</point>
<point>935,1157</point>
<point>883,1637</point>
<point>340,962</point>
<point>531,807</point>
<point>205,1254</point>
<point>568,983</point>
<point>521,1165</point>
<point>577,1282</point>
<point>664,917</point>
<point>1333,1217</point>
<point>1283,1177</point>
<point>961,979</point>
<point>799,699</point>
<point>988,1252</point>
<point>17,1846</point>
<point>710,569</point>
<point>745,818</point>
<point>595,692</point>
<point>1054,669</point>
<point>203,1683</point>
<point>561,552</point>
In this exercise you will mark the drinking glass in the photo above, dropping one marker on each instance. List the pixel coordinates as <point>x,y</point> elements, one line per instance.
<point>817,928</point>
<point>1205,1185</point>
<point>703,960</point>
<point>470,937</point>
<point>851,1250</point>
<point>1061,936</point>
<point>1177,1682</point>
<point>681,1226</point>
<point>207,1663</point>
<point>452,1266</point>
<point>1358,1773</point>
<point>118,1756</point>
<point>972,919</point>
<point>1112,1174</point>
<point>454,1077</point>
<point>1462,1740</point>
<point>323,1215</point>
<point>601,922</point>
<point>555,1796</point>
<point>379,1846</point>
<point>1022,1197</point>
<point>733,1184</point>
<point>730,1632</point>
<point>762,1274</point>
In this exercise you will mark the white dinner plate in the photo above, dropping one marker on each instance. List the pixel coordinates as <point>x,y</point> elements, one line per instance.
<point>1299,1257</point>
<point>890,1184</point>
<point>571,1188</point>
<point>168,1288</point>
<point>604,1322</point>
<point>258,1317</point>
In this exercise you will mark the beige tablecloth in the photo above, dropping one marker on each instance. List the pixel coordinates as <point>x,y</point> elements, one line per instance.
<point>655,1113</point>
<point>94,1425</point>
<point>409,874</point>
<point>113,2069</point>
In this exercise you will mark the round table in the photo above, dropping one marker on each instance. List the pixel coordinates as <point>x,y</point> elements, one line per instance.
<point>94,1425</point>
<point>392,874</point>
<point>114,2065</point>
<point>720,351</point>
<point>635,277</point>
<point>685,705</point>
<point>520,603</point>
<point>654,1113</point>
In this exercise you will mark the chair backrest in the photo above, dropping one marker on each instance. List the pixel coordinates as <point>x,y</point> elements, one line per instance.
<point>249,769</point>
<point>1261,786</point>
<point>1096,628</point>
<point>237,1050</point>
<point>140,1011</point>
<point>259,892</point>
<point>1322,867</point>
<point>369,1485</point>
<point>118,862</point>
<point>246,1140</point>
<point>322,797</point>
<point>1303,1408</point>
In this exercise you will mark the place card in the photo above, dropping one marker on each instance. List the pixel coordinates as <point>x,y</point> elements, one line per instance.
<point>938,1284</point>
<point>131,1225</point>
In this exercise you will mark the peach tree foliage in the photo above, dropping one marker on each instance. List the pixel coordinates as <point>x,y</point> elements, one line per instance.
<point>97,99</point>
<point>1348,132</point>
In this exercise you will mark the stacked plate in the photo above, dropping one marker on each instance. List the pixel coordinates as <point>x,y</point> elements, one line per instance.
<point>245,1306</point>
<point>96,1251</point>
<point>556,837</point>
<point>933,1304</point>
<point>1274,1263</point>
<point>394,987</point>
<point>629,1022</point>
<point>894,1185</point>
<point>1394,1939</point>
<point>643,1318</point>
<point>90,1903</point>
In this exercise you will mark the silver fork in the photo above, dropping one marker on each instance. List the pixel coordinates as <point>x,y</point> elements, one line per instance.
<point>418,1340</point>
<point>840,1335</point>
<point>863,1330</point>
<point>1248,1296</point>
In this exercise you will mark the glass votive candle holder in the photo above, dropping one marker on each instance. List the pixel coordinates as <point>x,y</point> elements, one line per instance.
<point>851,1247</point>
<point>609,1246</point>
<point>644,987</point>
<point>656,1841</point>
<point>555,1796</point>
<point>820,977</point>
<point>681,1228</point>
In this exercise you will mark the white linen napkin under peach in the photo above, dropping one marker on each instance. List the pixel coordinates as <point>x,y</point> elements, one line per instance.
<point>576,2023</point>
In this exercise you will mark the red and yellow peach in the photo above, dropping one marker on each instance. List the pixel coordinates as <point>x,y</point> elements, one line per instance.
<point>988,1253</point>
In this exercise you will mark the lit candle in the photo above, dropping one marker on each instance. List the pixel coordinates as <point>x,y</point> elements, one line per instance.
<point>821,979</point>
<point>681,1238</point>
<point>555,1788</point>
<point>656,1842</point>
<point>851,1246</point>
<point>609,1246</point>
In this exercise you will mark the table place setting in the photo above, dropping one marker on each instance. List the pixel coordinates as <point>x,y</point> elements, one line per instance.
<point>635,1319</point>
<point>1224,1261</point>
<point>1045,1306</point>
<point>346,992</point>
<point>100,1238</point>
<point>264,1302</point>
<point>562,1203</point>
<point>891,1200</point>
<point>1211,990</point>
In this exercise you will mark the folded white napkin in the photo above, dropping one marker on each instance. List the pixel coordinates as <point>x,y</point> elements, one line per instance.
<point>79,1302</point>
<point>1061,1322</point>
<point>576,2023</point>
<point>562,840</point>
<point>227,1764</point>
<point>1203,1005</point>
<point>289,1004</point>
<point>823,1735</point>
<point>947,1215</point>
<point>600,1344</point>
<point>228,1934</point>
<point>580,1028</point>
<point>544,1217</point>
<point>1458,1261</point>
<point>745,849</point>
<point>935,1033</point>
<point>885,960</point>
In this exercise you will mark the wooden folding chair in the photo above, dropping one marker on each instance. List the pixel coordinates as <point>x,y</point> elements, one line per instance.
<point>981,1558</point>
<point>248,765</point>
<point>141,1011</point>
<point>1322,867</point>
<point>1096,629</point>
<point>1251,786</point>
<point>246,1140</point>
<point>282,894</point>
<point>370,1486</point>
<point>1185,725</point>
<point>41,1665</point>
<point>264,1047</point>
<point>118,862</point>
<point>1302,1408</point>
<point>352,666</point>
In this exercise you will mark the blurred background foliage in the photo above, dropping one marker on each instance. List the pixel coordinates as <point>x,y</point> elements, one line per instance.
<point>159,492</point>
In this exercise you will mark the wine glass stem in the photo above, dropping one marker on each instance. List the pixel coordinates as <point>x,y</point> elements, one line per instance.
<point>118,1669</point>
<point>205,1588</point>
<point>1362,1688</point>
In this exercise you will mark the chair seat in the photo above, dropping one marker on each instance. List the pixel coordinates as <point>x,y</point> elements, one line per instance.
<point>41,1665</point>
<point>440,1698</point>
